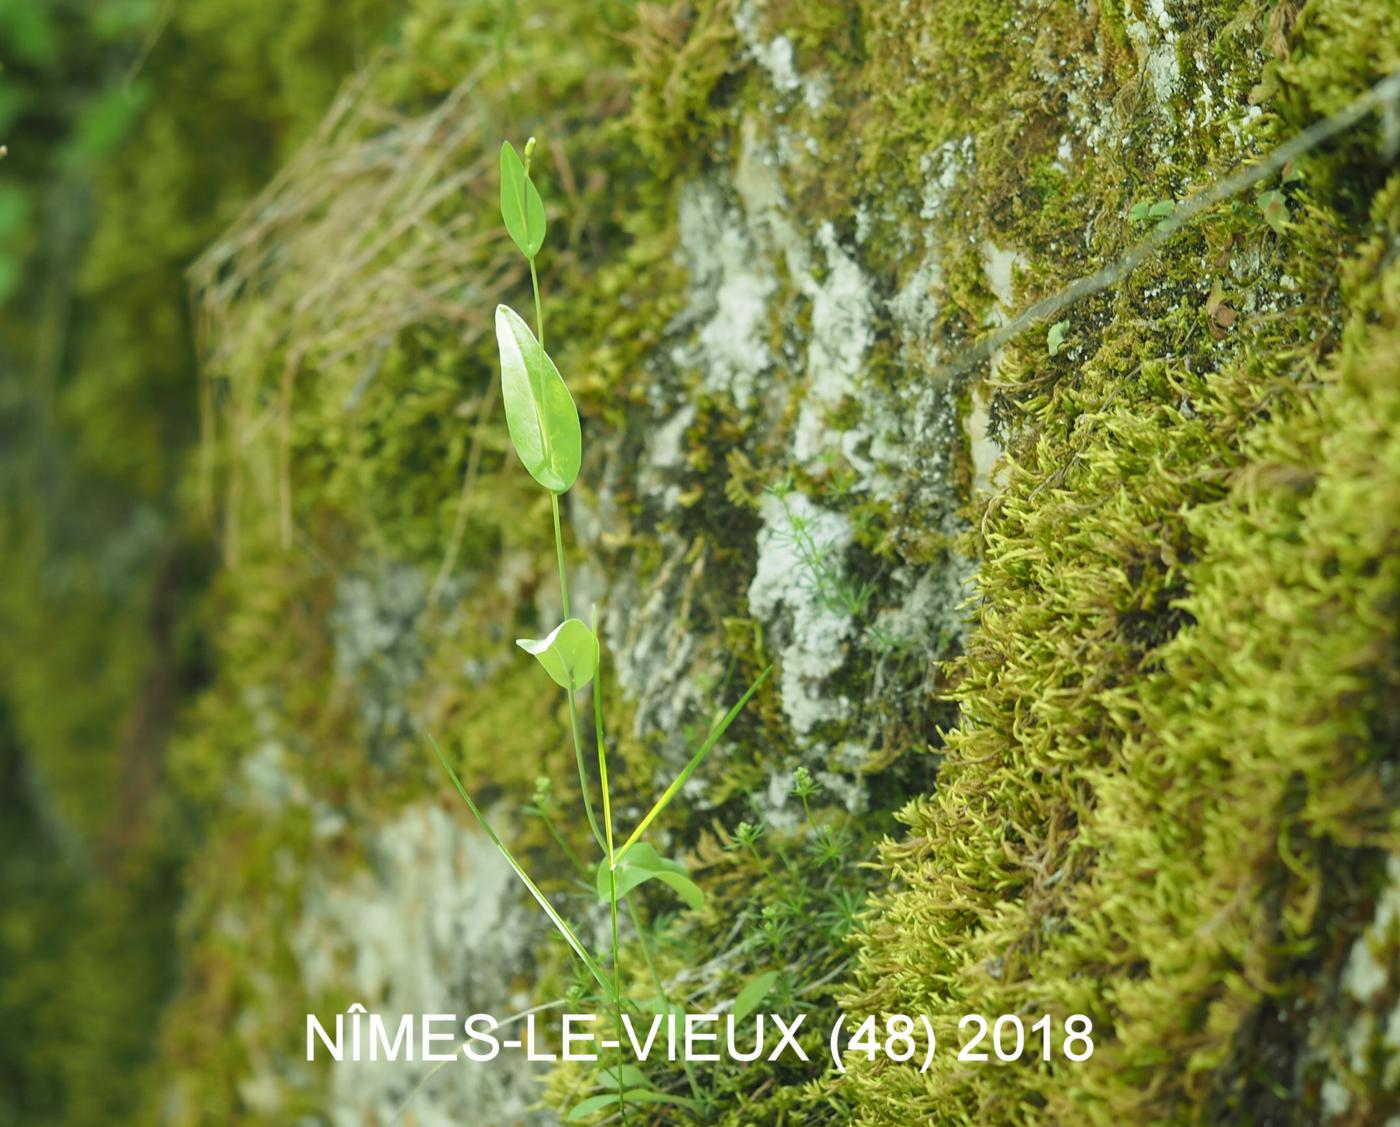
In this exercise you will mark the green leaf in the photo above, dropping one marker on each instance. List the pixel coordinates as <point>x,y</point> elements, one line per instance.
<point>594,1104</point>
<point>689,769</point>
<point>1138,213</point>
<point>642,864</point>
<point>105,119</point>
<point>540,412</point>
<point>758,988</point>
<point>1055,338</point>
<point>631,1077</point>
<point>1275,209</point>
<point>521,206</point>
<point>569,653</point>
<point>1161,209</point>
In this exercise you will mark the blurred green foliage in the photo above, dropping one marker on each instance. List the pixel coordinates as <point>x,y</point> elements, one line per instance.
<point>135,130</point>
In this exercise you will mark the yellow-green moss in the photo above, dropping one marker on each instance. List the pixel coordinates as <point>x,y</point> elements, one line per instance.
<point>1163,803</point>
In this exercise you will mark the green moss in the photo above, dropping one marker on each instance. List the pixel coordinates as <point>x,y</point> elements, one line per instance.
<point>1186,598</point>
<point>1170,778</point>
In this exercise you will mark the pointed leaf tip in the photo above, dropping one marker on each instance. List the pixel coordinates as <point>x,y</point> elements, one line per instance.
<point>522,210</point>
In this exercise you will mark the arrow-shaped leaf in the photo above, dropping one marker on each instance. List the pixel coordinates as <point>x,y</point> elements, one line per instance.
<point>642,864</point>
<point>540,412</point>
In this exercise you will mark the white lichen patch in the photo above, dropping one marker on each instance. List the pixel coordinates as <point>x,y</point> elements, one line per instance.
<point>999,266</point>
<point>266,783</point>
<point>378,646</point>
<point>926,605</point>
<point>665,456</point>
<point>915,307</point>
<point>842,298</point>
<point>985,452</point>
<point>842,333</point>
<point>1086,108</point>
<point>435,925</point>
<point>730,290</point>
<point>783,316</point>
<point>767,214</point>
<point>1368,1055</point>
<point>779,810</point>
<point>1366,975</point>
<point>778,58</point>
<point>1336,1099</point>
<point>1154,40</point>
<point>654,655</point>
<point>788,598</point>
<point>941,170</point>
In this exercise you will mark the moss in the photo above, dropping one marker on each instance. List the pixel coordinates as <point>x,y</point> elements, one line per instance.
<point>688,55</point>
<point>1172,696</point>
<point>1178,655</point>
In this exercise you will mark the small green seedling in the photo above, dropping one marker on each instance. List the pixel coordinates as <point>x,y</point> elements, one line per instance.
<point>544,430</point>
<point>1158,212</point>
<point>1055,338</point>
<point>1274,208</point>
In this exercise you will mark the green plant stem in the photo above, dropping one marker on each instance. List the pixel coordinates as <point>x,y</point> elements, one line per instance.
<point>539,310</point>
<point>612,874</point>
<point>650,961</point>
<point>539,337</point>
<point>559,553</point>
<point>582,773</point>
<point>617,978</point>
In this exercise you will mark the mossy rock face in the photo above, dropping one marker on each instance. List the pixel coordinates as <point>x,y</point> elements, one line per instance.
<point>1109,621</point>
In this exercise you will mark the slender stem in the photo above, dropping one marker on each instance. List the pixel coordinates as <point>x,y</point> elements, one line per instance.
<point>553,497</point>
<point>583,774</point>
<point>563,844</point>
<point>602,752</point>
<point>559,553</point>
<point>539,310</point>
<point>612,874</point>
<point>650,961</point>
<point>617,977</point>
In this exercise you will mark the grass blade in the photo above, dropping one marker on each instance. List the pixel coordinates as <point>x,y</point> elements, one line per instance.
<point>564,929</point>
<point>689,769</point>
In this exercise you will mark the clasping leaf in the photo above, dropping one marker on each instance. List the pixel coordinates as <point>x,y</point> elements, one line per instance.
<point>540,412</point>
<point>521,206</point>
<point>642,864</point>
<point>569,654</point>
